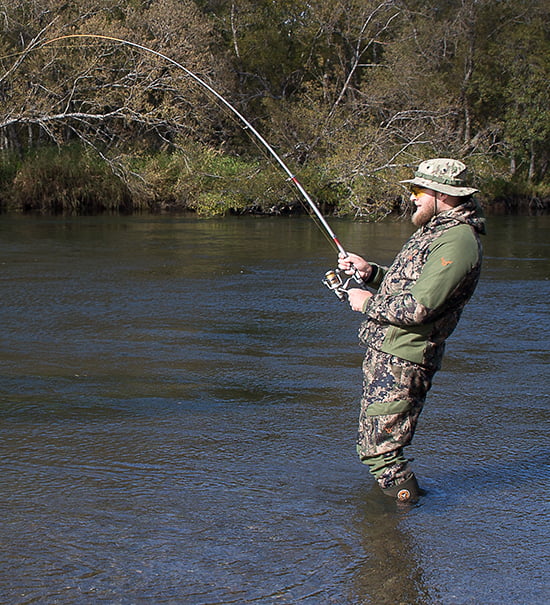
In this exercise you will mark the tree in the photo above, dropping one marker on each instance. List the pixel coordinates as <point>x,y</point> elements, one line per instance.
<point>351,92</point>
<point>98,87</point>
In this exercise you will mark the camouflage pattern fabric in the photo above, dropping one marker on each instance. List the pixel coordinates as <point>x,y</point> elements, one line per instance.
<point>444,175</point>
<point>421,296</point>
<point>417,305</point>
<point>394,391</point>
<point>394,474</point>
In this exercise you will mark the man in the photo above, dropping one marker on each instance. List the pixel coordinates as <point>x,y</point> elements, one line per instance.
<point>416,305</point>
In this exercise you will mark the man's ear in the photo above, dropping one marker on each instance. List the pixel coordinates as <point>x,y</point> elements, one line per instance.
<point>450,200</point>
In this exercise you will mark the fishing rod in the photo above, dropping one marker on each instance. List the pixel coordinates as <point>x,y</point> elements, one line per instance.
<point>332,279</point>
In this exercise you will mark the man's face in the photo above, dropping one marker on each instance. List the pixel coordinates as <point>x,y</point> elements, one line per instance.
<point>424,203</point>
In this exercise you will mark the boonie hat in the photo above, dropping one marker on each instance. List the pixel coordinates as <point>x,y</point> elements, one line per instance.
<point>443,175</point>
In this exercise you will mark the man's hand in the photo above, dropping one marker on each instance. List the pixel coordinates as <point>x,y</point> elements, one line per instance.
<point>354,263</point>
<point>357,298</point>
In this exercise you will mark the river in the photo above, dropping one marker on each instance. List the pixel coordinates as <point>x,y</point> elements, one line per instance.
<point>178,408</point>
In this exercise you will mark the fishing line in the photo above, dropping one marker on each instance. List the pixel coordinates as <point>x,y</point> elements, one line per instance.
<point>291,177</point>
<point>333,279</point>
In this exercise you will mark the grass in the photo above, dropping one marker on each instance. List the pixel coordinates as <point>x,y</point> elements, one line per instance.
<point>72,179</point>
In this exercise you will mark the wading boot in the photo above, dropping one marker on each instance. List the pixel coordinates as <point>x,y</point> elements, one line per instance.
<point>406,491</point>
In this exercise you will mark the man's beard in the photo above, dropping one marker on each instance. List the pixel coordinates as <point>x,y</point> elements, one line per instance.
<point>423,215</point>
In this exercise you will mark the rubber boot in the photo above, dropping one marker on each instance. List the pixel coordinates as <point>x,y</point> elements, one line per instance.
<point>406,491</point>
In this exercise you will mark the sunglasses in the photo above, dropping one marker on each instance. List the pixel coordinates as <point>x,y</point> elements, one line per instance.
<point>418,191</point>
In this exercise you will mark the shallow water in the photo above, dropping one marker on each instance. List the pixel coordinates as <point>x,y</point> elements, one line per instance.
<point>178,406</point>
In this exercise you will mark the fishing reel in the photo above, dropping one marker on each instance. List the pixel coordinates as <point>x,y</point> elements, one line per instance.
<point>333,281</point>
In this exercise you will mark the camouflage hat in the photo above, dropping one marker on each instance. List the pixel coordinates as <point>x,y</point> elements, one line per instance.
<point>443,175</point>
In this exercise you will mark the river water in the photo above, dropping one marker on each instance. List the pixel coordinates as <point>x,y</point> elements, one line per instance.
<point>178,408</point>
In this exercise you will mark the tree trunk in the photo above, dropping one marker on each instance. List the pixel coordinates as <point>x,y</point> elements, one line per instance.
<point>532,158</point>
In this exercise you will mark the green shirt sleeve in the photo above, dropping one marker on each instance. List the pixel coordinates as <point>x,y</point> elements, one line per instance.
<point>377,275</point>
<point>450,259</point>
<point>452,256</point>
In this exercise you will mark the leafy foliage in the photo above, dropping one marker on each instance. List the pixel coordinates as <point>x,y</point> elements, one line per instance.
<point>351,92</point>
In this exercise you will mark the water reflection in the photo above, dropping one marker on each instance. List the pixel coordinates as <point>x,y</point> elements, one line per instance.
<point>389,570</point>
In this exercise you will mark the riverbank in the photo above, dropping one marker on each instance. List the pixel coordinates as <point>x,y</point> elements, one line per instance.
<point>201,180</point>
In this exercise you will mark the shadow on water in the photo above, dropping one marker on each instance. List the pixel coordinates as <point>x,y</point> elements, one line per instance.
<point>389,570</point>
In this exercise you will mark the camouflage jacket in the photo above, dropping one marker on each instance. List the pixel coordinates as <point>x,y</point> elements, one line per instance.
<point>420,298</point>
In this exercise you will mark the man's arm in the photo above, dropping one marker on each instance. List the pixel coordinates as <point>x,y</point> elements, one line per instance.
<point>452,256</point>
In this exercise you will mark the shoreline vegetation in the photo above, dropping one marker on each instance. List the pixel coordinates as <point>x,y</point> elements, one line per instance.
<point>73,180</point>
<point>99,113</point>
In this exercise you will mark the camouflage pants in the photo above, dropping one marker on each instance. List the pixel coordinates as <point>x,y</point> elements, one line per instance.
<point>394,391</point>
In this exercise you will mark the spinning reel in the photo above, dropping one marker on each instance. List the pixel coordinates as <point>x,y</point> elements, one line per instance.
<point>333,281</point>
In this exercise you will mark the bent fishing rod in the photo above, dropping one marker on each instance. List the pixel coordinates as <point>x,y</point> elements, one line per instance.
<point>333,279</point>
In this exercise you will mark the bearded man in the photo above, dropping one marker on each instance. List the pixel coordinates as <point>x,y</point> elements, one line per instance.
<point>411,308</point>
